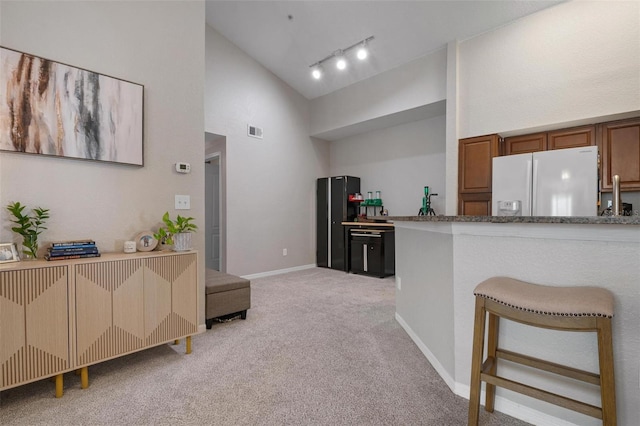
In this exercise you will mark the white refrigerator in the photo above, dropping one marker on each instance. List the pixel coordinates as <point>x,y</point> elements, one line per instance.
<point>561,182</point>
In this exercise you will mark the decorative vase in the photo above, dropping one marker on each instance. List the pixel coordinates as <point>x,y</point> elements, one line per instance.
<point>29,246</point>
<point>182,241</point>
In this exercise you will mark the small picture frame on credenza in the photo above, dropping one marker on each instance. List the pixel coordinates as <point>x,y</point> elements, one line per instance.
<point>8,253</point>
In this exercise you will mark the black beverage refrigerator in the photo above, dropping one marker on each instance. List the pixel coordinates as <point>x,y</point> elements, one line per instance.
<point>333,208</point>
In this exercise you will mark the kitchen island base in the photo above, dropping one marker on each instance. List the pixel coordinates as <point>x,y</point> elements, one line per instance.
<point>437,308</point>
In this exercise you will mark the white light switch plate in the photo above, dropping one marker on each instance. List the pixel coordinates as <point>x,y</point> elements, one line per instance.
<point>183,202</point>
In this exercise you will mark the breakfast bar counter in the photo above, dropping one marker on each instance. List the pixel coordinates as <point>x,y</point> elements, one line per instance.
<point>440,260</point>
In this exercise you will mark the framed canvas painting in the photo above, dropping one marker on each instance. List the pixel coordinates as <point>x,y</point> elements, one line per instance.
<point>50,108</point>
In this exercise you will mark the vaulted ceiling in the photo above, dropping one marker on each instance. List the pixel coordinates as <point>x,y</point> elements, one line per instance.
<point>287,37</point>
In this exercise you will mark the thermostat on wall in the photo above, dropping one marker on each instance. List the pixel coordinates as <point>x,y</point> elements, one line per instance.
<point>183,167</point>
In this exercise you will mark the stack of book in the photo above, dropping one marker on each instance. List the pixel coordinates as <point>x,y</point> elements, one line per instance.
<point>72,250</point>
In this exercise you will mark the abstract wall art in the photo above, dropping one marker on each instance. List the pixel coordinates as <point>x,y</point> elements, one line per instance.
<point>50,108</point>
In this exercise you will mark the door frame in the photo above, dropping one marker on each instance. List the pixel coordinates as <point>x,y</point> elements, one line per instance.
<point>208,158</point>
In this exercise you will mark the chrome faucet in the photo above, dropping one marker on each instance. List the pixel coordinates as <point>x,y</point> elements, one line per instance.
<point>616,196</point>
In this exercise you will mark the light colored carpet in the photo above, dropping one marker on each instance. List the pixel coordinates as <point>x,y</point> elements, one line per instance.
<point>318,347</point>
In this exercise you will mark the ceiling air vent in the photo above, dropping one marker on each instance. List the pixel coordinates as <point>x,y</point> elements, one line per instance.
<point>253,131</point>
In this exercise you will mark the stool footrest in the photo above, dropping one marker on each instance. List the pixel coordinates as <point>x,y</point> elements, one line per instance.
<point>543,395</point>
<point>551,367</point>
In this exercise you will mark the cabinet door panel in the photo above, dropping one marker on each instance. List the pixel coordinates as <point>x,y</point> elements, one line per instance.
<point>108,309</point>
<point>621,154</point>
<point>572,138</point>
<point>170,297</point>
<point>13,340</point>
<point>474,163</point>
<point>34,331</point>
<point>357,255</point>
<point>525,143</point>
<point>474,204</point>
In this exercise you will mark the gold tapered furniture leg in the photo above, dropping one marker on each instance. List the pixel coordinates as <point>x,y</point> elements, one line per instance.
<point>84,377</point>
<point>176,342</point>
<point>59,386</point>
<point>188,340</point>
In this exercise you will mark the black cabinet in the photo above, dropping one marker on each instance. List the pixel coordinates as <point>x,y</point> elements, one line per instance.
<point>372,252</point>
<point>333,208</point>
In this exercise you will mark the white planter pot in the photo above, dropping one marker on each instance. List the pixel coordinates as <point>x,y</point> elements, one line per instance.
<point>182,241</point>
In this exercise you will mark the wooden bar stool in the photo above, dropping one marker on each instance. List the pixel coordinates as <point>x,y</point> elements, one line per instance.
<point>558,308</point>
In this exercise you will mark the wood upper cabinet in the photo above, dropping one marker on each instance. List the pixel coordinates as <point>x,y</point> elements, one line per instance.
<point>620,149</point>
<point>525,143</point>
<point>475,161</point>
<point>572,138</point>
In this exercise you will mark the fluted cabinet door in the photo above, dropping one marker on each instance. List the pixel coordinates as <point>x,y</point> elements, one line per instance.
<point>170,297</point>
<point>34,325</point>
<point>109,309</point>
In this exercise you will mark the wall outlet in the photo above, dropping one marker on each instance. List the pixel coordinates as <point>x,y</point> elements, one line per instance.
<point>183,202</point>
<point>284,252</point>
<point>399,283</point>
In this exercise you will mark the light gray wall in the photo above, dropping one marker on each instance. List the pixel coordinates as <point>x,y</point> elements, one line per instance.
<point>157,44</point>
<point>420,82</point>
<point>271,181</point>
<point>399,161</point>
<point>424,303</point>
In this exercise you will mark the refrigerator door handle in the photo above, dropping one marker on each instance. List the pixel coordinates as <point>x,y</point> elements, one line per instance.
<point>533,187</point>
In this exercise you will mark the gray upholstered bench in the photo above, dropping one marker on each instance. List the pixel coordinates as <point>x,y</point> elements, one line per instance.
<point>225,294</point>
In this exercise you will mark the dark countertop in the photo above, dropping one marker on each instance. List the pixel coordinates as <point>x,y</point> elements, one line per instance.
<point>591,220</point>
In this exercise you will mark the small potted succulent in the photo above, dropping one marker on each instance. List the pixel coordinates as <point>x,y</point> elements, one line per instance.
<point>176,232</point>
<point>29,226</point>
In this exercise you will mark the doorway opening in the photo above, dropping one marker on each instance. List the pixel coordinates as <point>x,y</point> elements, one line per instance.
<point>215,202</point>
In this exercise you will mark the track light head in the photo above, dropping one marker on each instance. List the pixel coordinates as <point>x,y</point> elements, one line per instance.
<point>316,72</point>
<point>362,51</point>
<point>341,62</point>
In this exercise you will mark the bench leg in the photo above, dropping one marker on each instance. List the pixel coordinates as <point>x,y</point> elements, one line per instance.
<point>243,314</point>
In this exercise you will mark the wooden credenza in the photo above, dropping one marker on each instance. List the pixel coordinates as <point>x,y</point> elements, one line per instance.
<point>66,315</point>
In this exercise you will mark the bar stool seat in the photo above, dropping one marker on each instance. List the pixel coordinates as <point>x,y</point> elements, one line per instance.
<point>587,309</point>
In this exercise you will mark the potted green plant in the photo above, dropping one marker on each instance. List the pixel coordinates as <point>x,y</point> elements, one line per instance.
<point>29,226</point>
<point>176,232</point>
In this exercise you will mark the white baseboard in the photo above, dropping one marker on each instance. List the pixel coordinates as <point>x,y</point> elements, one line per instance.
<point>279,271</point>
<point>518,411</point>
<point>502,404</point>
<point>427,353</point>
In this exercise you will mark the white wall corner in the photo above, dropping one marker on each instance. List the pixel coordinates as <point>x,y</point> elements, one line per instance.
<point>451,177</point>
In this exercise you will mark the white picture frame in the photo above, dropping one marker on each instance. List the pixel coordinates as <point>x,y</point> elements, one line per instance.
<point>8,253</point>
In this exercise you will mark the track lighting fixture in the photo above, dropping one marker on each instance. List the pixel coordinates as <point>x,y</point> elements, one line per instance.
<point>340,56</point>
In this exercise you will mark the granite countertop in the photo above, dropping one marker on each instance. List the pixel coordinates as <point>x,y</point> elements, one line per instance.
<point>581,220</point>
